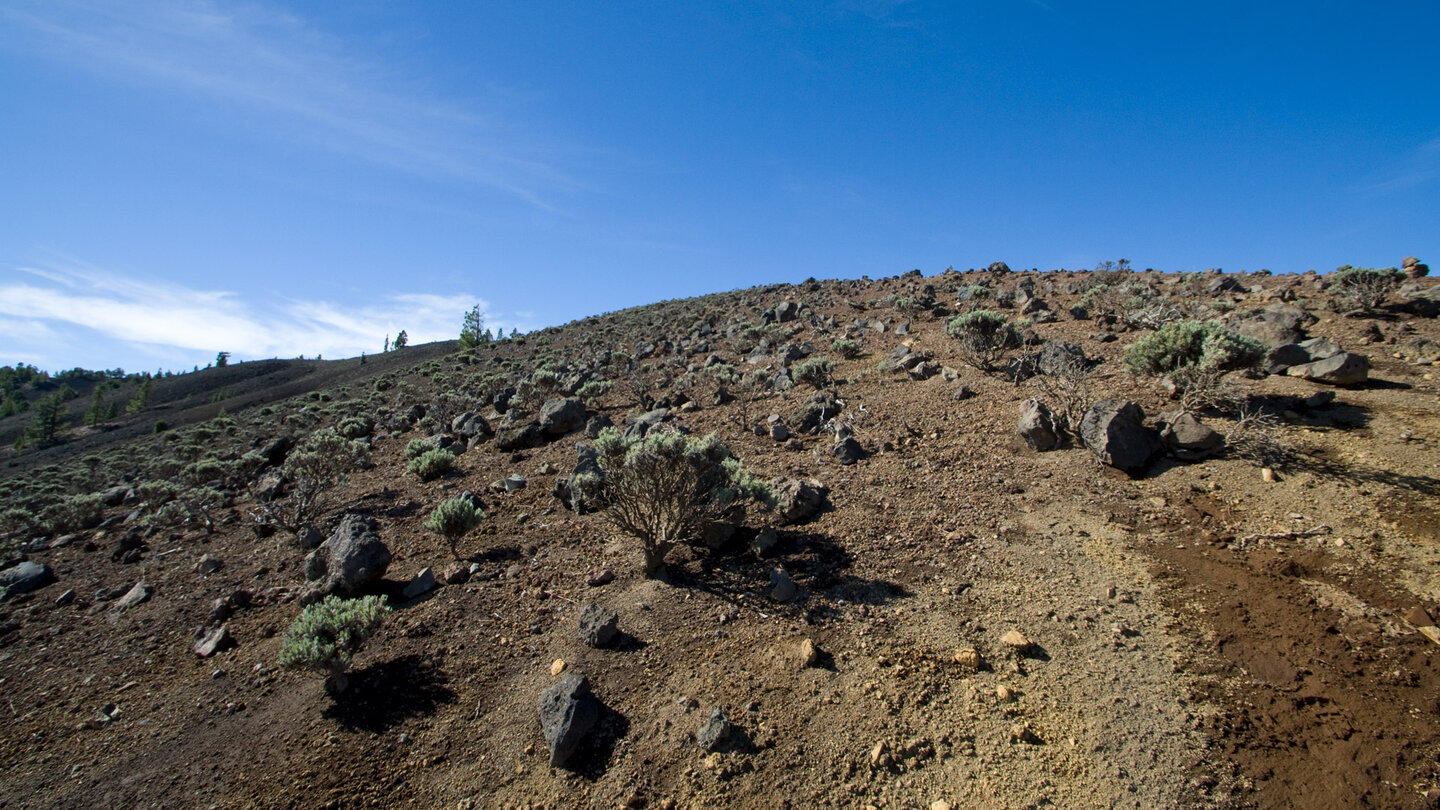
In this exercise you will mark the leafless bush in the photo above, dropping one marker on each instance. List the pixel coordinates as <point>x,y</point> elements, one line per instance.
<point>1255,437</point>
<point>1067,384</point>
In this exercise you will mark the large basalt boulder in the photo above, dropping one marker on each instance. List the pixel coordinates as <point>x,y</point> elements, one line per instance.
<point>1270,333</point>
<point>1341,369</point>
<point>1037,426</point>
<point>517,435</point>
<point>351,559</point>
<point>567,713</point>
<point>471,426</point>
<point>561,416</point>
<point>1115,432</point>
<point>23,578</point>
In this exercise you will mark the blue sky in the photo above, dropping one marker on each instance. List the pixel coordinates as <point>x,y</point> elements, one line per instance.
<point>178,179</point>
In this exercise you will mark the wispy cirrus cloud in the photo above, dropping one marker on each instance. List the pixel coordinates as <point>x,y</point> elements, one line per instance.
<point>1419,166</point>
<point>79,315</point>
<point>277,72</point>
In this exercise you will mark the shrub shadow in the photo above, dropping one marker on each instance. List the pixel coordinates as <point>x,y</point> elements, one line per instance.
<point>813,560</point>
<point>1315,464</point>
<point>383,695</point>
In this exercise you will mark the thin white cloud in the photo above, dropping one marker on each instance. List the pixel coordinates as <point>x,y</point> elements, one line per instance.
<point>304,84</point>
<point>1419,166</point>
<point>159,319</point>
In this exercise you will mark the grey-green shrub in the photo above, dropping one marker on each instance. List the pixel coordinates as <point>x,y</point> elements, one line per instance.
<point>1365,287</point>
<point>72,514</point>
<point>1205,345</point>
<point>667,487</point>
<point>328,634</point>
<point>419,447</point>
<point>453,519</point>
<point>432,464</point>
<point>847,348</point>
<point>984,337</point>
<point>593,390</point>
<point>815,372</point>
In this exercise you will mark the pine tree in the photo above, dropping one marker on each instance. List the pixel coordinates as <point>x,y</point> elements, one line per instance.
<point>141,400</point>
<point>471,335</point>
<point>401,340</point>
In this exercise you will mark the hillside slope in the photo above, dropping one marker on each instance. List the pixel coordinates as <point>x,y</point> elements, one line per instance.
<point>1200,634</point>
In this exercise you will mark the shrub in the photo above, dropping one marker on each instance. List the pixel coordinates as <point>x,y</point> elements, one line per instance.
<point>846,348</point>
<point>667,487</point>
<point>204,471</point>
<point>354,427</point>
<point>815,372</point>
<point>1202,344</point>
<point>72,514</point>
<point>984,335</point>
<point>453,519</point>
<point>432,464</point>
<point>1195,355</point>
<point>1365,287</point>
<point>593,390</point>
<point>313,470</point>
<point>419,447</point>
<point>328,634</point>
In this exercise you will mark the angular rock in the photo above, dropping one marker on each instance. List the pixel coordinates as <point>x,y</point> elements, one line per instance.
<point>1016,641</point>
<point>215,641</point>
<point>561,416</point>
<point>422,583</point>
<point>24,578</point>
<point>809,654</point>
<point>1320,348</point>
<point>114,496</point>
<point>517,435</point>
<point>715,730</point>
<point>796,500</point>
<point>1412,267</point>
<point>1059,356</point>
<point>598,625</point>
<point>595,424</point>
<point>1115,432</point>
<point>209,564</point>
<point>782,587</point>
<point>813,412</point>
<point>1340,369</point>
<point>471,426</point>
<point>1270,333</point>
<point>1189,439</point>
<point>136,595</point>
<point>1037,426</point>
<point>642,424</point>
<point>765,541</point>
<point>1280,358</point>
<point>848,451</point>
<point>352,558</point>
<point>567,713</point>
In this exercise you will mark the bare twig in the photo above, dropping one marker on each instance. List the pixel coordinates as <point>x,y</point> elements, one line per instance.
<point>1318,530</point>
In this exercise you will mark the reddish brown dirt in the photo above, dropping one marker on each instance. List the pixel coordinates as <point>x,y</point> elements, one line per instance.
<point>1197,645</point>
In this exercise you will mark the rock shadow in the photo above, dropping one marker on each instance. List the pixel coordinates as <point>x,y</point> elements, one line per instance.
<point>383,695</point>
<point>592,759</point>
